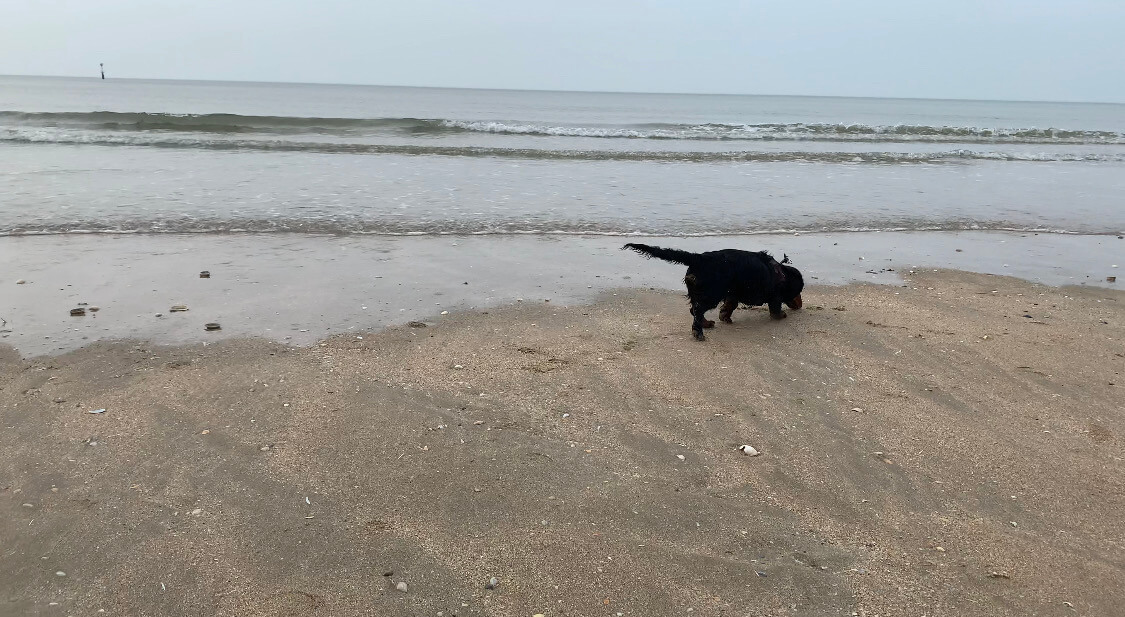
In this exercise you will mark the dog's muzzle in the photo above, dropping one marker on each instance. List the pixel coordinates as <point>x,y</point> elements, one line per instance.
<point>795,303</point>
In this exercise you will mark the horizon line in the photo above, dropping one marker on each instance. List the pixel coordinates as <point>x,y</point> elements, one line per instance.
<point>552,90</point>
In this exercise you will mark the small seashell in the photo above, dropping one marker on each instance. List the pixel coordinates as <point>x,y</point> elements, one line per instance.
<point>492,583</point>
<point>680,456</point>
<point>401,586</point>
<point>96,411</point>
<point>748,450</point>
<point>77,312</point>
<point>178,308</point>
<point>20,282</point>
<point>205,274</point>
<point>445,312</point>
<point>212,326</point>
<point>857,409</point>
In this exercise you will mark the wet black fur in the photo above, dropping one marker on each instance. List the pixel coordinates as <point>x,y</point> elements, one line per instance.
<point>731,276</point>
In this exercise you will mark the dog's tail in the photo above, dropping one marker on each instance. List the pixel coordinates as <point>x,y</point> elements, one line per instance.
<point>672,255</point>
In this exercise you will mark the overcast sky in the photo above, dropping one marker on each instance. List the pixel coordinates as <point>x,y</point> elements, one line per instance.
<point>1072,50</point>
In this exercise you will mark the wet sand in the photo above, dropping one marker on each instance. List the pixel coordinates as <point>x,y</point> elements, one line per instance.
<point>299,289</point>
<point>947,445</point>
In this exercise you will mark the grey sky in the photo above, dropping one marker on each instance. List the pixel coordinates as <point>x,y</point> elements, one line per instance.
<point>996,49</point>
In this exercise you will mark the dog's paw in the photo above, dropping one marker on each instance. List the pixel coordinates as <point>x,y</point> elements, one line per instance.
<point>726,319</point>
<point>699,336</point>
<point>781,315</point>
<point>708,324</point>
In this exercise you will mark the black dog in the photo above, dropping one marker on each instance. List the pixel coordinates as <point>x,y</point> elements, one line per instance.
<point>731,276</point>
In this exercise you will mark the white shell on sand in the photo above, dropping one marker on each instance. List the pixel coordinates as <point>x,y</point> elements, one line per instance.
<point>748,450</point>
<point>401,586</point>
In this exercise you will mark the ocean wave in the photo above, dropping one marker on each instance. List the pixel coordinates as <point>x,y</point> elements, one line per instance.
<point>222,123</point>
<point>24,136</point>
<point>503,228</point>
<point>802,132</point>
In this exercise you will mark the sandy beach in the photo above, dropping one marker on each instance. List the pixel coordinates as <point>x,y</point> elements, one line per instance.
<point>948,444</point>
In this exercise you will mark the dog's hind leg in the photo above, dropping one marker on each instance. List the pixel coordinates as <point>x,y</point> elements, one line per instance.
<point>698,309</point>
<point>728,309</point>
<point>701,302</point>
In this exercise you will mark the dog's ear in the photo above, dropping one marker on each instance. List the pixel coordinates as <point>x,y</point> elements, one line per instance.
<point>785,259</point>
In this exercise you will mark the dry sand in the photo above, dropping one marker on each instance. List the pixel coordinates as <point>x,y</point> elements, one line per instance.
<point>949,447</point>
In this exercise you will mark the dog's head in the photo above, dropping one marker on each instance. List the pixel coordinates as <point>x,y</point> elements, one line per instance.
<point>792,285</point>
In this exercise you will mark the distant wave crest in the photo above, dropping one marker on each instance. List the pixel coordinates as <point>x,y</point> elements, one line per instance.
<point>332,226</point>
<point>227,143</point>
<point>140,122</point>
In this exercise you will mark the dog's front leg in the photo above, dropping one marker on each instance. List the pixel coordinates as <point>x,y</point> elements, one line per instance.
<point>775,309</point>
<point>727,310</point>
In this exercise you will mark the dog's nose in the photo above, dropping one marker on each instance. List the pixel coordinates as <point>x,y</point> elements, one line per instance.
<point>796,303</point>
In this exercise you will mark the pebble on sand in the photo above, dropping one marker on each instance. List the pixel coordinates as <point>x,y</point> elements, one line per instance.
<point>212,326</point>
<point>492,583</point>
<point>401,586</point>
<point>748,450</point>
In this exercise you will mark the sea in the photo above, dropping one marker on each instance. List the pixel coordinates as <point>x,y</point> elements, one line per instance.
<point>128,156</point>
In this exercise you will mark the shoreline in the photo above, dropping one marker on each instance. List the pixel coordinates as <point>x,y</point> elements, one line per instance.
<point>300,289</point>
<point>950,446</point>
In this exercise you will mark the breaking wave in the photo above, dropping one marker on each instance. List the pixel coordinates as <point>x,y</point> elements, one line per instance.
<point>281,145</point>
<point>222,123</point>
<point>500,228</point>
